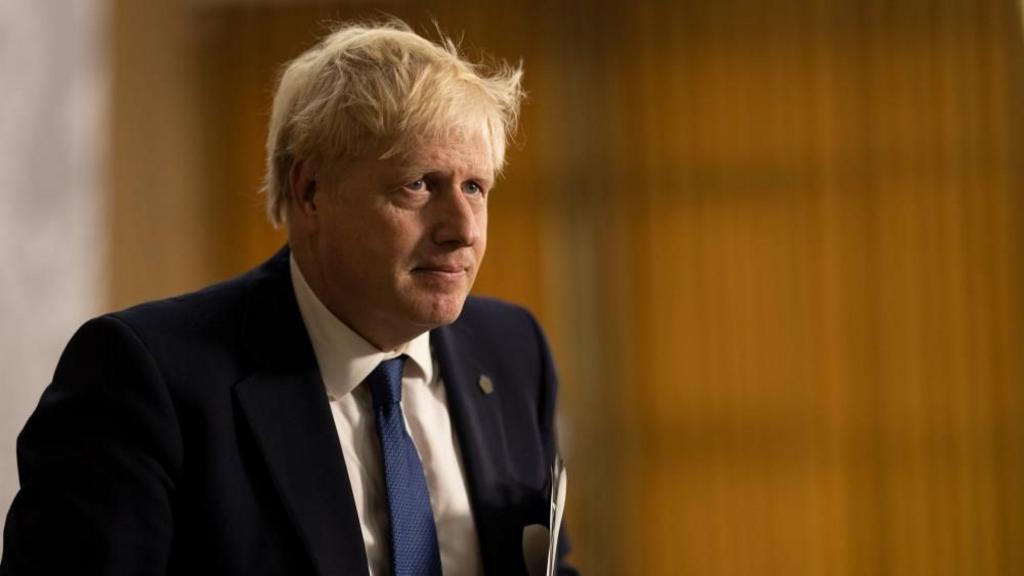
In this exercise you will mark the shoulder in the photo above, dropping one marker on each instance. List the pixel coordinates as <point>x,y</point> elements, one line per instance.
<point>502,336</point>
<point>489,315</point>
<point>492,324</point>
<point>214,307</point>
<point>185,330</point>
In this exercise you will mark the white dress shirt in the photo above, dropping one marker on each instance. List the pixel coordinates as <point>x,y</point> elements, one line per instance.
<point>345,360</point>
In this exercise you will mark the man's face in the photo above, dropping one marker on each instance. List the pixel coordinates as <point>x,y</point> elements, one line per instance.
<point>398,241</point>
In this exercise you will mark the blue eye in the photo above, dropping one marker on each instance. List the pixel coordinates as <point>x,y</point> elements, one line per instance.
<point>417,185</point>
<point>472,188</point>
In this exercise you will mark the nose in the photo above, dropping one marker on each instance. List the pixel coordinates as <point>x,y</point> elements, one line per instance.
<point>457,218</point>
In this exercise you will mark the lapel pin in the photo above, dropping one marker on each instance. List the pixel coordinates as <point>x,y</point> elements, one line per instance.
<point>485,384</point>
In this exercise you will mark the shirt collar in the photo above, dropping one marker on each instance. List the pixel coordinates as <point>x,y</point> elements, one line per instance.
<point>345,358</point>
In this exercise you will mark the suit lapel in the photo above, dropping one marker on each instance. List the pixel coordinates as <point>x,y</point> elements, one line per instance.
<point>478,424</point>
<point>286,407</point>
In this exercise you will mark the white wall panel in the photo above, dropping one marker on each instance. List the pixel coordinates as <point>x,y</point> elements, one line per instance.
<point>51,197</point>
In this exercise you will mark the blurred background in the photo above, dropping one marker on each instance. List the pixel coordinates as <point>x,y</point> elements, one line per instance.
<point>778,248</point>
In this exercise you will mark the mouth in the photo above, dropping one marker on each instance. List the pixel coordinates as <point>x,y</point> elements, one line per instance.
<point>442,268</point>
<point>443,273</point>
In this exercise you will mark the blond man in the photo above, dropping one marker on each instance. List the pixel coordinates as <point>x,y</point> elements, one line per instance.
<point>346,407</point>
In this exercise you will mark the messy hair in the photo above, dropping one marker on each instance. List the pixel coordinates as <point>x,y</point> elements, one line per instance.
<point>368,86</point>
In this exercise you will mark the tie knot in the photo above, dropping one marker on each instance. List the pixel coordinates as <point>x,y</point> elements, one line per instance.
<point>386,382</point>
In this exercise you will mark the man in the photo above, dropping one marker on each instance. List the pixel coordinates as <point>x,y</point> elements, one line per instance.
<point>343,408</point>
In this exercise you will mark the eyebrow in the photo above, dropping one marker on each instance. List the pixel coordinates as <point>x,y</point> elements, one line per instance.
<point>425,169</point>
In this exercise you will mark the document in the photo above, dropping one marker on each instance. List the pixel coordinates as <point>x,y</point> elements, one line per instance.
<point>538,538</point>
<point>558,489</point>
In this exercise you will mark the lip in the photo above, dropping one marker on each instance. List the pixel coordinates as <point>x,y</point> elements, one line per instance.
<point>441,269</point>
<point>442,276</point>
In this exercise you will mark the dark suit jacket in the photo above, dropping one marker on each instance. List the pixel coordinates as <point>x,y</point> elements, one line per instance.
<point>193,436</point>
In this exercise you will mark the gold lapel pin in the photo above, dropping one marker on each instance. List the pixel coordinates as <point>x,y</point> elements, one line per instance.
<point>485,384</point>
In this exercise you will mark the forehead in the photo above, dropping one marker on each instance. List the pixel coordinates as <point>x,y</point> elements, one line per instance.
<point>461,148</point>
<point>461,154</point>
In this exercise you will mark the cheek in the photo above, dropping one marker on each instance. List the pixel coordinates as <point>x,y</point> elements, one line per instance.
<point>397,239</point>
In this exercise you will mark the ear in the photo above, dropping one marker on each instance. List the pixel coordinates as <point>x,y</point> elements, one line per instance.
<point>303,189</point>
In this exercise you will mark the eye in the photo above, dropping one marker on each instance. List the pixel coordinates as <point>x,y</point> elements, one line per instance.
<point>472,187</point>
<point>417,185</point>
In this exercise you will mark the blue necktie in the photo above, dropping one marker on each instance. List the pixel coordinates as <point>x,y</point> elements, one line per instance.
<point>414,550</point>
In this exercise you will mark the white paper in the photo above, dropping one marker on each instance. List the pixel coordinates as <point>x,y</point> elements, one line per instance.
<point>559,482</point>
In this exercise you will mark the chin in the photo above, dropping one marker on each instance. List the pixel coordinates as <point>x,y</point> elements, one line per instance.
<point>439,311</point>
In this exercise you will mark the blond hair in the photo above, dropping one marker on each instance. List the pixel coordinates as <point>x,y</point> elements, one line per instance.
<point>370,85</point>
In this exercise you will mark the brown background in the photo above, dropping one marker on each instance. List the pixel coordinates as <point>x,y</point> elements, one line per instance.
<point>777,247</point>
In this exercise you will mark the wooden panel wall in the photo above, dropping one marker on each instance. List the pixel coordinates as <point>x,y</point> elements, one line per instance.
<point>778,249</point>
<point>828,289</point>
